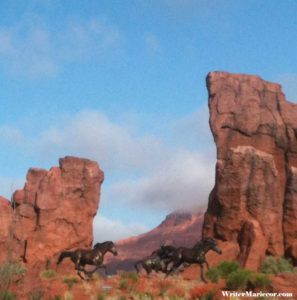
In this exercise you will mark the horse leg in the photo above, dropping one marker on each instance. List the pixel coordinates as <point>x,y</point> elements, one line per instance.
<point>202,273</point>
<point>78,273</point>
<point>148,270</point>
<point>77,262</point>
<point>207,265</point>
<point>80,269</point>
<point>136,267</point>
<point>97,268</point>
<point>174,267</point>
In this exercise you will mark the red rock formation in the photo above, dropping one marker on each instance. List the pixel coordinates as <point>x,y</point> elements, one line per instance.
<point>254,200</point>
<point>179,229</point>
<point>5,228</point>
<point>53,212</point>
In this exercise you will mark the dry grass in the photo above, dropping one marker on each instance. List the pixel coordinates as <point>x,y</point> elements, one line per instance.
<point>119,287</point>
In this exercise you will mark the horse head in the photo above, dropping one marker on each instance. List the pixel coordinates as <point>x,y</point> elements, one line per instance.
<point>211,244</point>
<point>112,248</point>
<point>108,246</point>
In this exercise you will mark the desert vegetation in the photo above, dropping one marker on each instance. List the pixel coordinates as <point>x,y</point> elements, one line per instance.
<point>11,273</point>
<point>227,275</point>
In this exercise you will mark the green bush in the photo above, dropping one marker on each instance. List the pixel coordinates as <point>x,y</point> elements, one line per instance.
<point>208,296</point>
<point>269,266</point>
<point>285,265</point>
<point>273,266</point>
<point>213,275</point>
<point>36,294</point>
<point>11,272</point>
<point>133,276</point>
<point>227,267</point>
<point>123,285</point>
<point>238,279</point>
<point>260,280</point>
<point>70,281</point>
<point>48,274</point>
<point>145,296</point>
<point>7,295</point>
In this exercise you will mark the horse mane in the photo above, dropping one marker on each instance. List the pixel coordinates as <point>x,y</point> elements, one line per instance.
<point>102,244</point>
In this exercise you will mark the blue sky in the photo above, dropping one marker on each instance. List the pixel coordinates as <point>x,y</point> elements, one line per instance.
<point>123,82</point>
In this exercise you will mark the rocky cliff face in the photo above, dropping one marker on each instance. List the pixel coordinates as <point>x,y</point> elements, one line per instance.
<point>253,205</point>
<point>54,211</point>
<point>179,229</point>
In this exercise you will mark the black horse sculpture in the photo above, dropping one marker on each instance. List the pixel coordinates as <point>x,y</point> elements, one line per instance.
<point>158,261</point>
<point>95,256</point>
<point>195,255</point>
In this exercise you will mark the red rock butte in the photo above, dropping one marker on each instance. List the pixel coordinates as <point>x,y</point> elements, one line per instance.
<point>53,212</point>
<point>252,208</point>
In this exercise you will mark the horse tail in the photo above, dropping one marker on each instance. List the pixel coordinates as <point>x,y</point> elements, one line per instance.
<point>63,255</point>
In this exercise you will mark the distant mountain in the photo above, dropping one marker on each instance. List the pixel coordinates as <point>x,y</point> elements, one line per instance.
<point>178,229</point>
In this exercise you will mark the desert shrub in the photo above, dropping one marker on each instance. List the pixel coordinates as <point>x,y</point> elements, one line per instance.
<point>122,298</point>
<point>164,286</point>
<point>269,265</point>
<point>48,274</point>
<point>11,272</point>
<point>145,296</point>
<point>70,281</point>
<point>7,295</point>
<point>213,275</point>
<point>133,276</point>
<point>36,294</point>
<point>56,297</point>
<point>285,265</point>
<point>238,279</point>
<point>273,266</point>
<point>123,284</point>
<point>101,297</point>
<point>68,295</point>
<point>208,296</point>
<point>260,280</point>
<point>227,267</point>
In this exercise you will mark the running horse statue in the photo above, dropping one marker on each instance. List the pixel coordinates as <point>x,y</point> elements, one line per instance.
<point>83,257</point>
<point>195,255</point>
<point>158,261</point>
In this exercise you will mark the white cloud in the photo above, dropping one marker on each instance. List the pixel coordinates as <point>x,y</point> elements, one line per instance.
<point>183,181</point>
<point>91,134</point>
<point>141,170</point>
<point>32,48</point>
<point>167,178</point>
<point>113,230</point>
